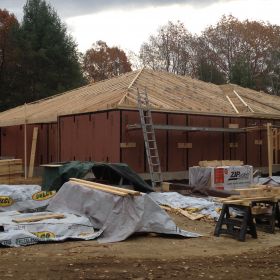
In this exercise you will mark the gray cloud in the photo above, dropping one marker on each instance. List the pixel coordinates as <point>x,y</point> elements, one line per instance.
<point>68,8</point>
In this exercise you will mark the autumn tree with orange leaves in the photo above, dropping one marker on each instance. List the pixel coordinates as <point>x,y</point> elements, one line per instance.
<point>102,62</point>
<point>9,53</point>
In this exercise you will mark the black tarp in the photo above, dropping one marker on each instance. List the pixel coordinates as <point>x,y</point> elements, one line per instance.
<point>115,174</point>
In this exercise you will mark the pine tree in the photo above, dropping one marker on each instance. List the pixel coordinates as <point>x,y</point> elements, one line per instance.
<point>50,61</point>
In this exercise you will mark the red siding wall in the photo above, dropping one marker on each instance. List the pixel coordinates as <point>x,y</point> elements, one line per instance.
<point>12,142</point>
<point>97,137</point>
<point>177,158</point>
<point>53,143</point>
<point>161,138</point>
<point>253,150</point>
<point>90,137</point>
<point>239,152</point>
<point>205,145</point>
<point>134,157</point>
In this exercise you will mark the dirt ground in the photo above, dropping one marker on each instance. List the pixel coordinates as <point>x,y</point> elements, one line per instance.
<point>149,257</point>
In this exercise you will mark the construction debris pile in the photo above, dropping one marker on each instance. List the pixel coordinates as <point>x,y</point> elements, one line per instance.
<point>80,210</point>
<point>193,208</point>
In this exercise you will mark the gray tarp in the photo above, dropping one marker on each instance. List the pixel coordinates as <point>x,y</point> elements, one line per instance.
<point>116,216</point>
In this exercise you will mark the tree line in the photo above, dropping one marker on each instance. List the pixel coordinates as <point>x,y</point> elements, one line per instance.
<point>246,53</point>
<point>39,58</point>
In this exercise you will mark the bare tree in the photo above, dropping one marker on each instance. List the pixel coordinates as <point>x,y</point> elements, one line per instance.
<point>170,50</point>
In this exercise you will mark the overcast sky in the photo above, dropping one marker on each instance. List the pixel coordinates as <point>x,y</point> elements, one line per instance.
<point>128,23</point>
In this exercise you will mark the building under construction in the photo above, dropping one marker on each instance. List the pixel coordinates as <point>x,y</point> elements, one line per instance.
<point>193,121</point>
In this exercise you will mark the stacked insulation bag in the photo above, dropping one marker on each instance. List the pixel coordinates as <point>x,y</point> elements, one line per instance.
<point>20,207</point>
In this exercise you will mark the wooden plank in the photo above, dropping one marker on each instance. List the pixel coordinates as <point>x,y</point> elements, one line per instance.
<point>191,216</point>
<point>269,149</point>
<point>128,145</point>
<point>232,163</point>
<point>233,125</point>
<point>238,202</point>
<point>38,218</point>
<point>211,163</point>
<point>233,145</point>
<point>276,144</point>
<point>106,187</point>
<point>258,142</point>
<point>231,103</point>
<point>51,165</point>
<point>10,162</point>
<point>184,145</point>
<point>33,151</point>
<point>101,189</point>
<point>165,186</point>
<point>244,103</point>
<point>251,199</point>
<point>25,142</point>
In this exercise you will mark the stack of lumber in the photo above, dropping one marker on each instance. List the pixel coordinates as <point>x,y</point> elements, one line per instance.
<point>216,163</point>
<point>11,170</point>
<point>105,188</point>
<point>253,194</point>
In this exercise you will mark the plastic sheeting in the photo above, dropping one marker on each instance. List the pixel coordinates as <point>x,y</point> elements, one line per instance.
<point>27,233</point>
<point>200,178</point>
<point>273,180</point>
<point>23,198</point>
<point>205,206</point>
<point>117,217</point>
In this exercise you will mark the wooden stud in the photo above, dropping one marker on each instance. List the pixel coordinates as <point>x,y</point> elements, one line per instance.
<point>104,187</point>
<point>38,218</point>
<point>269,149</point>
<point>244,103</point>
<point>191,216</point>
<point>33,152</point>
<point>25,142</point>
<point>231,103</point>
